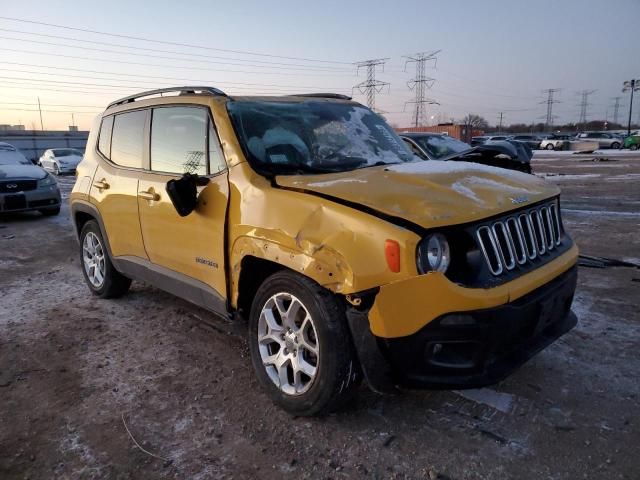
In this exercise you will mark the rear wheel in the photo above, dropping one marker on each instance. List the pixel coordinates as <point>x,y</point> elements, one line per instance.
<point>102,278</point>
<point>615,145</point>
<point>633,147</point>
<point>549,146</point>
<point>300,344</point>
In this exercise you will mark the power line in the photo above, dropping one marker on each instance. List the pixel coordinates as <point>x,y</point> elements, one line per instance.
<point>166,42</point>
<point>50,111</point>
<point>421,83</point>
<point>371,86</point>
<point>136,84</point>
<point>101,60</point>
<point>584,103</point>
<point>75,39</point>
<point>616,108</point>
<point>52,105</point>
<point>550,101</point>
<point>163,57</point>
<point>180,79</point>
<point>630,86</point>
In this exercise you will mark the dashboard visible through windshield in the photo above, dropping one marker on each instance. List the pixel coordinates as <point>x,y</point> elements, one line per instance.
<point>314,137</point>
<point>441,146</point>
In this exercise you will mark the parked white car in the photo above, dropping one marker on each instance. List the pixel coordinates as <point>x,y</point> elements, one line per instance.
<point>60,160</point>
<point>555,142</point>
<point>604,139</point>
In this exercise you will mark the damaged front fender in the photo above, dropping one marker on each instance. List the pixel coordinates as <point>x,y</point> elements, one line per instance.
<point>339,247</point>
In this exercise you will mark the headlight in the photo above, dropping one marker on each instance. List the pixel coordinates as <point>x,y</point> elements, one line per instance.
<point>47,181</point>
<point>433,254</point>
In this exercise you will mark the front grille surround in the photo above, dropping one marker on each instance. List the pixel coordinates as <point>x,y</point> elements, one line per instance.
<point>17,186</point>
<point>521,238</point>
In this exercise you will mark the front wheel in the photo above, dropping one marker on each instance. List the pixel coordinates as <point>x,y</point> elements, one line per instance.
<point>301,347</point>
<point>56,169</point>
<point>633,147</point>
<point>615,145</point>
<point>549,146</point>
<point>102,278</point>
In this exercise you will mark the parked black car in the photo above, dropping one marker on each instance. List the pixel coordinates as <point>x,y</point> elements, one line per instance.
<point>509,154</point>
<point>24,186</point>
<point>532,140</point>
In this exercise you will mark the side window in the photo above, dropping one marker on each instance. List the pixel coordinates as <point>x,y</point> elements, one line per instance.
<point>179,140</point>
<point>413,148</point>
<point>216,157</point>
<point>104,140</point>
<point>127,141</point>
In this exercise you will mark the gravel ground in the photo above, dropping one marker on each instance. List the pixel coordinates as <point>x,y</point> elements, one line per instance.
<point>85,382</point>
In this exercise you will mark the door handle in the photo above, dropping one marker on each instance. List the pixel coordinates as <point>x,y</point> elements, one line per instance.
<point>147,195</point>
<point>101,185</point>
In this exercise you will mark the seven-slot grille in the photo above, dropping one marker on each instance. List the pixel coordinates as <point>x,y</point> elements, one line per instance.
<point>521,238</point>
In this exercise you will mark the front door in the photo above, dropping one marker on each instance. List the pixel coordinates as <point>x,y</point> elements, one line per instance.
<point>183,140</point>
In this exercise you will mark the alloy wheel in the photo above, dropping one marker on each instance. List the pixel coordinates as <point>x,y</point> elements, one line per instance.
<point>93,259</point>
<point>288,343</point>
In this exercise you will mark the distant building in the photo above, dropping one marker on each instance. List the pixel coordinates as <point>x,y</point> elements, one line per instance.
<point>461,132</point>
<point>5,128</point>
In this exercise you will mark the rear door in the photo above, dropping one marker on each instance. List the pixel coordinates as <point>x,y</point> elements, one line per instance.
<point>183,140</point>
<point>114,189</point>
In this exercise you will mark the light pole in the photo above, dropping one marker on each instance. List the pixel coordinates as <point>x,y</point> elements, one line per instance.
<point>631,86</point>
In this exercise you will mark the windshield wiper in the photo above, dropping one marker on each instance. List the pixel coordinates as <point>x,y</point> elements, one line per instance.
<point>295,167</point>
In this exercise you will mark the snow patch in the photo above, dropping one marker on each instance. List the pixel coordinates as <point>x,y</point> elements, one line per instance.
<point>447,166</point>
<point>466,191</point>
<point>338,181</point>
<point>577,176</point>
<point>502,402</point>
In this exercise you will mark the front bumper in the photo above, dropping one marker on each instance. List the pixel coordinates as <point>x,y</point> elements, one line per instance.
<point>24,201</point>
<point>67,168</point>
<point>401,334</point>
<point>403,308</point>
<point>482,347</point>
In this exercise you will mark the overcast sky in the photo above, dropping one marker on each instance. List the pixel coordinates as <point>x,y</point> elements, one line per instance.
<point>495,55</point>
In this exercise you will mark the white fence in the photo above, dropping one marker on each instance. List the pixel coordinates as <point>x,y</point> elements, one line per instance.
<point>33,143</point>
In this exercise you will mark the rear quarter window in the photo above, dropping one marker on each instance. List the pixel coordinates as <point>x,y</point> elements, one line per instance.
<point>104,139</point>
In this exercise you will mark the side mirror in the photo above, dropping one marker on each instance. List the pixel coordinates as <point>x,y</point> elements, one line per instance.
<point>184,194</point>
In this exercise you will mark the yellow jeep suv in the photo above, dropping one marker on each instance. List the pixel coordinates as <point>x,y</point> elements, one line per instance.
<point>349,256</point>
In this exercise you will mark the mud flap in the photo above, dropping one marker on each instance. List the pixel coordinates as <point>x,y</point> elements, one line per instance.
<point>375,367</point>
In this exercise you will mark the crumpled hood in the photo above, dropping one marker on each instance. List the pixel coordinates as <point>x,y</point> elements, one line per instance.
<point>430,193</point>
<point>32,172</point>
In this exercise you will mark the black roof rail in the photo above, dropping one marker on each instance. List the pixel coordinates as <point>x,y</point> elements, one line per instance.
<point>180,90</point>
<point>338,96</point>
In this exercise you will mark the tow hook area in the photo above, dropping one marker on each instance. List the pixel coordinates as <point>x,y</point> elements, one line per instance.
<point>375,367</point>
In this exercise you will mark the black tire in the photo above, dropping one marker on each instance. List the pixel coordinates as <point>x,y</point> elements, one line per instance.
<point>549,146</point>
<point>56,169</point>
<point>338,371</point>
<point>615,145</point>
<point>114,284</point>
<point>633,147</point>
<point>49,212</point>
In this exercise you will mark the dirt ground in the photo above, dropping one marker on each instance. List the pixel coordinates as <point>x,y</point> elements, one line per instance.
<point>81,378</point>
